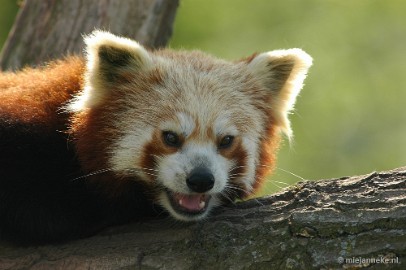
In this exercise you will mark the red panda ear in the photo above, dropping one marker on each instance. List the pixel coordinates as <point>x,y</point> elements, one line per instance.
<point>109,59</point>
<point>282,72</point>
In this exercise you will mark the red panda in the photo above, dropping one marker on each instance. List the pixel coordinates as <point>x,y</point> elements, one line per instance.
<point>126,132</point>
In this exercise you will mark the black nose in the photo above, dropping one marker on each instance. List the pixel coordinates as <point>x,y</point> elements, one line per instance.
<point>200,180</point>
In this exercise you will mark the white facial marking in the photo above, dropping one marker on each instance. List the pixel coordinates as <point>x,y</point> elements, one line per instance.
<point>223,126</point>
<point>128,150</point>
<point>183,124</point>
<point>251,148</point>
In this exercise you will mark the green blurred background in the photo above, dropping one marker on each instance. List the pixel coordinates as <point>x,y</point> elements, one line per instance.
<point>351,116</point>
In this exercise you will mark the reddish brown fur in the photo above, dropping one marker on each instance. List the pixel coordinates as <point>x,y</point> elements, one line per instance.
<point>34,95</point>
<point>267,157</point>
<point>239,155</point>
<point>92,140</point>
<point>248,59</point>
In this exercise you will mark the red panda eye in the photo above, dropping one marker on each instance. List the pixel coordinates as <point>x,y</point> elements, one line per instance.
<point>171,138</point>
<point>226,142</point>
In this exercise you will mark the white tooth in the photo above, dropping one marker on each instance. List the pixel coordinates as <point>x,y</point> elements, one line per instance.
<point>180,202</point>
<point>202,204</point>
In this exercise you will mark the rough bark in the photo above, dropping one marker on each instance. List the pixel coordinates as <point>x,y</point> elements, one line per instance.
<point>312,225</point>
<point>47,29</point>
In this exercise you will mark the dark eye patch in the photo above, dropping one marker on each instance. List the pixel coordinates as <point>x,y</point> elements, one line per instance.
<point>226,142</point>
<point>171,139</point>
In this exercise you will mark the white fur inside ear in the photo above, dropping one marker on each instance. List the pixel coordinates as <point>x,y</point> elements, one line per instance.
<point>283,72</point>
<point>95,88</point>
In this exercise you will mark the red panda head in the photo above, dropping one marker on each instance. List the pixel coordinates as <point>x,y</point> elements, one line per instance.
<point>198,131</point>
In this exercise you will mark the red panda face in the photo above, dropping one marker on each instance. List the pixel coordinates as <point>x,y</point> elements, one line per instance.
<point>197,145</point>
<point>198,165</point>
<point>195,129</point>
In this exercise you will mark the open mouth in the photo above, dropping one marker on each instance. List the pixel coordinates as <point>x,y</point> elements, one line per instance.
<point>189,204</point>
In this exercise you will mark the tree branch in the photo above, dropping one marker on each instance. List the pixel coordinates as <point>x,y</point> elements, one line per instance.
<point>310,225</point>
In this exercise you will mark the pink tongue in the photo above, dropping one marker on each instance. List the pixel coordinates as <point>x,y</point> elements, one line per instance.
<point>190,202</point>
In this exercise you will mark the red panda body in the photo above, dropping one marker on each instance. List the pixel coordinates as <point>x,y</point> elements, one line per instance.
<point>88,143</point>
<point>41,199</point>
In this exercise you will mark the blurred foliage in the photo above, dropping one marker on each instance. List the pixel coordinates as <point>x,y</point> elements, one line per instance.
<point>8,10</point>
<point>350,118</point>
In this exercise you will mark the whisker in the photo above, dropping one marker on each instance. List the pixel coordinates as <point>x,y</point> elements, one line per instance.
<point>92,173</point>
<point>286,171</point>
<point>135,170</point>
<point>158,157</point>
<point>276,185</point>
<point>236,167</point>
<point>226,195</point>
<point>258,202</point>
<point>291,173</point>
<point>152,174</point>
<point>280,182</point>
<point>236,188</point>
<point>148,169</point>
<point>235,174</point>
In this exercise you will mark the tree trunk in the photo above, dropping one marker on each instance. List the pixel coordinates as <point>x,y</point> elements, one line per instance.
<point>48,29</point>
<point>326,224</point>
